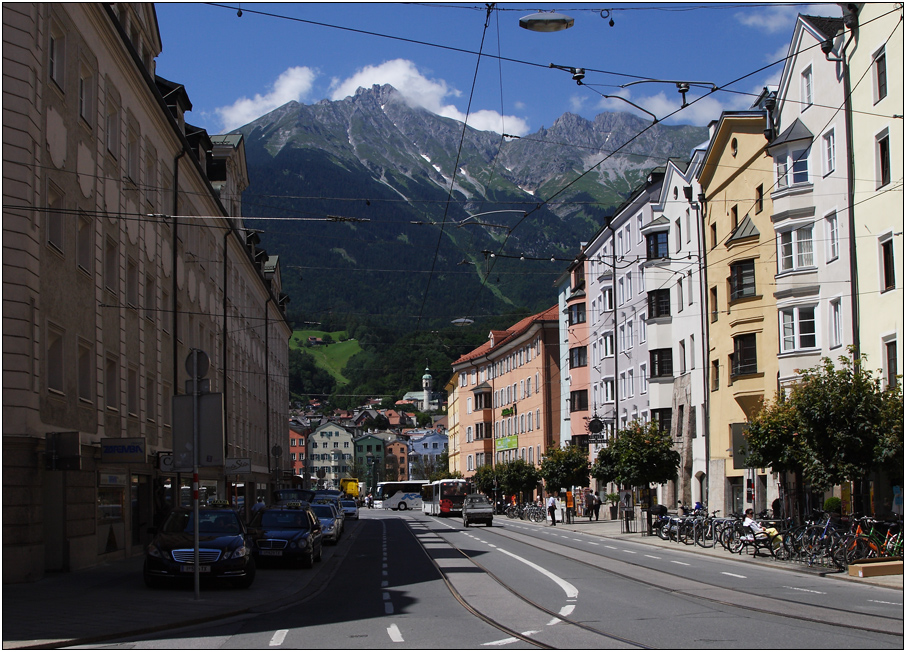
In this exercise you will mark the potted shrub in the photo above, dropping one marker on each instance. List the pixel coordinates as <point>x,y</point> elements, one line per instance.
<point>613,500</point>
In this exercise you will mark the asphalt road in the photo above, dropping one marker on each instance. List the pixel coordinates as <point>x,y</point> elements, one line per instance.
<point>411,581</point>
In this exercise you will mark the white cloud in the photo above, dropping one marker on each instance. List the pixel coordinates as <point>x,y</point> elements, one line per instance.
<point>770,19</point>
<point>293,84</point>
<point>430,94</point>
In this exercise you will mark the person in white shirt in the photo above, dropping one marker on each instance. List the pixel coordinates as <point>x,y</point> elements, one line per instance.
<point>552,508</point>
<point>756,528</point>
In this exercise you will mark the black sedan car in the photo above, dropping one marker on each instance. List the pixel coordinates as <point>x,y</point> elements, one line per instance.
<point>289,532</point>
<point>224,548</point>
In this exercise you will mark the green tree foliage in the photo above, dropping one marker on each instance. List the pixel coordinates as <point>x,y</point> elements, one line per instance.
<point>306,378</point>
<point>838,425</point>
<point>564,467</point>
<point>519,477</point>
<point>640,455</point>
<point>484,479</point>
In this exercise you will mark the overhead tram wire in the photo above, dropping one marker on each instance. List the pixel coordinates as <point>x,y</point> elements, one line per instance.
<point>455,170</point>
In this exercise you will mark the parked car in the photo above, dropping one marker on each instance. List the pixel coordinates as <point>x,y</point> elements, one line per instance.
<point>288,532</point>
<point>284,496</point>
<point>330,523</point>
<point>476,508</point>
<point>350,509</point>
<point>224,549</point>
<point>335,503</point>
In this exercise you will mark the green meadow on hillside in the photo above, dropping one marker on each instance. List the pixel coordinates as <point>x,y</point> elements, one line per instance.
<point>331,357</point>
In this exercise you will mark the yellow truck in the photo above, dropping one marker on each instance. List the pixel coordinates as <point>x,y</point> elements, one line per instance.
<point>350,487</point>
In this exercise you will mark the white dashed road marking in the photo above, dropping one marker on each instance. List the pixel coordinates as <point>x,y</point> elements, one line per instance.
<point>394,632</point>
<point>277,638</point>
<point>742,577</point>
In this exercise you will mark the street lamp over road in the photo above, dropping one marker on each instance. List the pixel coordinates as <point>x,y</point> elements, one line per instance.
<point>546,21</point>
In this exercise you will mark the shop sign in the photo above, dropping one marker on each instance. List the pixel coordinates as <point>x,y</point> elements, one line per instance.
<point>112,478</point>
<point>506,443</point>
<point>237,465</point>
<point>123,450</point>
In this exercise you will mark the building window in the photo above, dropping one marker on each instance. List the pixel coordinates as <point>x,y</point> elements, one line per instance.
<point>56,55</point>
<point>86,365</point>
<point>112,127</point>
<point>713,236</point>
<point>54,217</point>
<point>658,303</point>
<point>643,378</point>
<point>759,199</point>
<point>608,299</point>
<point>657,245</point>
<point>734,216</point>
<point>55,360</point>
<point>682,356</point>
<point>715,375</point>
<point>807,88</point>
<point>836,322</point>
<point>578,401</point>
<point>796,249</point>
<point>86,94</point>
<point>742,279</point>
<point>576,314</point>
<point>679,235</point>
<point>712,297</point>
<point>111,266</point>
<point>166,403</point>
<point>643,328</point>
<point>111,383</point>
<point>85,235</point>
<point>880,75</point>
<point>883,159</point>
<point>578,357</point>
<point>132,392</point>
<point>608,345</point>
<point>661,363</point>
<point>663,418</point>
<point>890,360</point>
<point>797,328</point>
<point>833,237</point>
<point>132,283</point>
<point>608,390</point>
<point>888,263</point>
<point>830,152</point>
<point>792,168</point>
<point>744,359</point>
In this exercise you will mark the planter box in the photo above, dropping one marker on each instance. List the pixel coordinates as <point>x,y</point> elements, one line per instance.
<point>877,568</point>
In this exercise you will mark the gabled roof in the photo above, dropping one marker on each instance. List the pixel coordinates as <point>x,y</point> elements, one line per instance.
<point>746,229</point>
<point>825,25</point>
<point>498,338</point>
<point>795,132</point>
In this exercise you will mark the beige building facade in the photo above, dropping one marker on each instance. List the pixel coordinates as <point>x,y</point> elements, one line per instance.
<point>740,262</point>
<point>121,256</point>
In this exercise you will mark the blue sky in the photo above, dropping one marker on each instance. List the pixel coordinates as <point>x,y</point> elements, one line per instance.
<point>236,69</point>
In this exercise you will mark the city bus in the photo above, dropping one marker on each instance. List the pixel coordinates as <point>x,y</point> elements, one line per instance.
<point>444,497</point>
<point>399,495</point>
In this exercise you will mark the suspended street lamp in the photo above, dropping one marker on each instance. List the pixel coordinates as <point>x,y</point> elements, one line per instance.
<point>546,21</point>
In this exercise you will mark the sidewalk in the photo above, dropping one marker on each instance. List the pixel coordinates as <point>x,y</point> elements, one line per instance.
<point>612,529</point>
<point>111,600</point>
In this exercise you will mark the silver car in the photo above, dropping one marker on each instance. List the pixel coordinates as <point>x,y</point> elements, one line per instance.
<point>350,509</point>
<point>330,525</point>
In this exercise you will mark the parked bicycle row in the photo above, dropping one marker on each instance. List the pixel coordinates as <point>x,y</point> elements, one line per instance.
<point>821,540</point>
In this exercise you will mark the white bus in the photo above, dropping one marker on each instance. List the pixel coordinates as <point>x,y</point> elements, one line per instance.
<point>399,495</point>
<point>444,497</point>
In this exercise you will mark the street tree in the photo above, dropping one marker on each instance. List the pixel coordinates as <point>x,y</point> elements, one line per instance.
<point>564,467</point>
<point>519,477</point>
<point>485,479</point>
<point>638,456</point>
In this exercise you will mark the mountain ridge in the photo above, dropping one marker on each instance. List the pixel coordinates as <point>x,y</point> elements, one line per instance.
<point>384,169</point>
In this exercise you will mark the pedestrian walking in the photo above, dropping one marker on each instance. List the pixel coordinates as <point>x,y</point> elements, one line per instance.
<point>552,508</point>
<point>596,506</point>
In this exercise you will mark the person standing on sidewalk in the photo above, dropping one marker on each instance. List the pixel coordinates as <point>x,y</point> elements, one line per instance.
<point>552,508</point>
<point>595,506</point>
<point>570,506</point>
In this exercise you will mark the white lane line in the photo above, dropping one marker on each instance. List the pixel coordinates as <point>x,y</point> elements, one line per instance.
<point>631,552</point>
<point>567,610</point>
<point>592,543</point>
<point>388,608</point>
<point>553,621</point>
<point>277,638</point>
<point>652,557</point>
<point>898,604</point>
<point>503,641</point>
<point>384,584</point>
<point>570,590</point>
<point>386,596</point>
<point>394,632</point>
<point>681,563</point>
<point>795,588</point>
<point>611,547</point>
<point>742,577</point>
